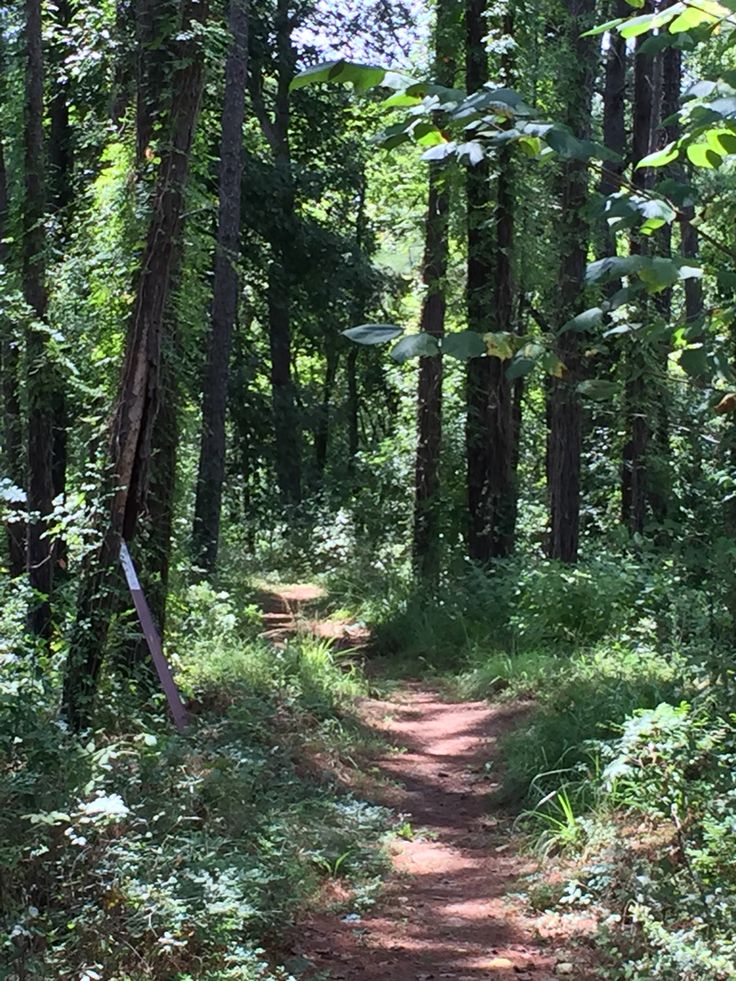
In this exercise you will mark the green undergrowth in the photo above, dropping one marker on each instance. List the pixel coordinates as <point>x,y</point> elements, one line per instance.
<point>623,765</point>
<point>136,853</point>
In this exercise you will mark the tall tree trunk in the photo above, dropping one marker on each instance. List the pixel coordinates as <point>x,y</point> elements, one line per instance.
<point>360,306</point>
<point>287,428</point>
<point>614,121</point>
<point>139,392</point>
<point>61,164</point>
<point>40,407</point>
<point>491,426</point>
<point>564,410</point>
<point>11,409</point>
<point>155,23</point>
<point>322,430</point>
<point>211,473</point>
<point>634,470</point>
<point>427,516</point>
<point>353,406</point>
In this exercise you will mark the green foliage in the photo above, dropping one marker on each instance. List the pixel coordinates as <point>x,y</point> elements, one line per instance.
<point>140,853</point>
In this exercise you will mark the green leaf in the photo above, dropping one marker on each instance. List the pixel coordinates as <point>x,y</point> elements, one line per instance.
<point>602,28</point>
<point>464,345</point>
<point>525,361</point>
<point>691,18</point>
<point>660,158</point>
<point>553,365</point>
<point>694,361</point>
<point>500,344</point>
<point>598,390</point>
<point>702,155</point>
<point>613,267</point>
<point>415,346</point>
<point>363,77</point>
<point>723,141</point>
<point>373,333</point>
<point>587,320</point>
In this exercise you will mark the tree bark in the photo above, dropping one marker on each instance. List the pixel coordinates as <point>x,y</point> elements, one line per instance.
<point>11,408</point>
<point>634,470</point>
<point>40,407</point>
<point>211,472</point>
<point>275,127</point>
<point>492,423</point>
<point>322,430</point>
<point>564,409</point>
<point>139,392</point>
<point>427,516</point>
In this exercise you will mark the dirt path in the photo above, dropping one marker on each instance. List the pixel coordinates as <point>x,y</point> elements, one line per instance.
<point>451,910</point>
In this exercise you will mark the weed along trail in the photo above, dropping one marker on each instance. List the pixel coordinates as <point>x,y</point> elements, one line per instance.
<point>451,908</point>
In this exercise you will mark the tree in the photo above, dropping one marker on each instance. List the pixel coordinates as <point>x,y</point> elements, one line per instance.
<point>40,406</point>
<point>275,127</point>
<point>211,473</point>
<point>491,430</point>
<point>426,543</point>
<point>564,410</point>
<point>139,392</point>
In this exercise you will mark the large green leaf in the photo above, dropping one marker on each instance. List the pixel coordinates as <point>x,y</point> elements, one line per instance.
<point>613,267</point>
<point>363,77</point>
<point>660,158</point>
<point>464,345</point>
<point>588,320</point>
<point>694,361</point>
<point>598,389</point>
<point>415,346</point>
<point>373,333</point>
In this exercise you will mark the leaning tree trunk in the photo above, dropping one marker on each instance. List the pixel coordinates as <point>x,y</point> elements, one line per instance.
<point>40,405</point>
<point>492,423</point>
<point>564,409</point>
<point>139,391</point>
<point>211,473</point>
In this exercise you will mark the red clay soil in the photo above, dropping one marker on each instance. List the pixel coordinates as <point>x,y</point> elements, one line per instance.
<point>283,616</point>
<point>451,909</point>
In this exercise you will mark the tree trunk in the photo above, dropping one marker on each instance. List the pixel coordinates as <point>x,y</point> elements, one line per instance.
<point>614,121</point>
<point>427,517</point>
<point>322,431</point>
<point>564,410</point>
<point>211,473</point>
<point>11,409</point>
<point>634,470</point>
<point>353,406</point>
<point>492,422</point>
<point>40,406</point>
<point>139,391</point>
<point>275,127</point>
<point>360,306</point>
<point>286,424</point>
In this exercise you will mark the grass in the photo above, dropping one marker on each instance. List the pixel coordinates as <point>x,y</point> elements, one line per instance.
<point>143,854</point>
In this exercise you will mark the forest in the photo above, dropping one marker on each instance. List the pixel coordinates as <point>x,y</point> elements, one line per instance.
<point>367,490</point>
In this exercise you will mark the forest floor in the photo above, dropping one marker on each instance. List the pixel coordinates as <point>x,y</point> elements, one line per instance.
<point>454,906</point>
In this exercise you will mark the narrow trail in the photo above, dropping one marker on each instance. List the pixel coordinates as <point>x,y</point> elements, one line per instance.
<point>451,908</point>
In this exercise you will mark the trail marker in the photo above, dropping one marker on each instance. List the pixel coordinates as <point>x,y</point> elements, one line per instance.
<point>176,706</point>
